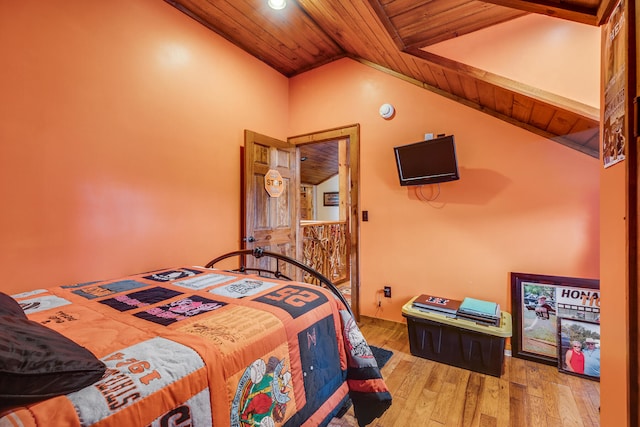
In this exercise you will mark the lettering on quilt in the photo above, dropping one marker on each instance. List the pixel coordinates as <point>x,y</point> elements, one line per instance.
<point>79,285</point>
<point>318,356</point>
<point>201,282</point>
<point>171,275</point>
<point>295,300</point>
<point>355,341</point>
<point>140,298</point>
<point>243,288</point>
<point>134,373</point>
<point>45,302</point>
<point>119,389</point>
<point>228,334</point>
<point>179,310</point>
<point>195,412</point>
<point>262,394</point>
<point>321,369</point>
<point>107,289</point>
<point>59,317</point>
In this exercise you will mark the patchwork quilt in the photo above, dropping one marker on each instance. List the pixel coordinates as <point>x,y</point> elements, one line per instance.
<point>192,346</point>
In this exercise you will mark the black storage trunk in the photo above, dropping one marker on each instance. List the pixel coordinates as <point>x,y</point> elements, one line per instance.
<point>474,347</point>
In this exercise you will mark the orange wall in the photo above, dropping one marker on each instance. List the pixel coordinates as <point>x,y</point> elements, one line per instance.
<point>614,260</point>
<point>523,203</point>
<point>120,129</point>
<point>614,284</point>
<point>120,126</point>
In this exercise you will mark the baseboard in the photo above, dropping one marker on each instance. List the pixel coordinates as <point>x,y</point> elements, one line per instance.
<point>379,321</point>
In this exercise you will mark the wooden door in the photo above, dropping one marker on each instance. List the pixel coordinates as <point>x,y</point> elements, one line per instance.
<point>306,202</point>
<point>271,222</point>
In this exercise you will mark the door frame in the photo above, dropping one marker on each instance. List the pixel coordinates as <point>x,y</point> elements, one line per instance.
<point>351,133</point>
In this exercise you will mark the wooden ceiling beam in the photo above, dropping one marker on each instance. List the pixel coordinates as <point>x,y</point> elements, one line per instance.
<point>583,14</point>
<point>392,34</point>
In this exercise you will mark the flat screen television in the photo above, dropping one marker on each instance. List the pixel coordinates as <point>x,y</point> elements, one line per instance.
<point>427,162</point>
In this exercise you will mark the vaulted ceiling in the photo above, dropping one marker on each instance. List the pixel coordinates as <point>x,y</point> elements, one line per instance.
<point>390,35</point>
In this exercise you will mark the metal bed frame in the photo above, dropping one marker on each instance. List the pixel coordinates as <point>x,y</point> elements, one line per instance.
<point>259,253</point>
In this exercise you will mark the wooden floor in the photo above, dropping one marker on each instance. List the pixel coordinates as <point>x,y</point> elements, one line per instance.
<point>431,394</point>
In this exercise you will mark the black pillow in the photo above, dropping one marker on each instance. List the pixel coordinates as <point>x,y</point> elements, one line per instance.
<point>37,363</point>
<point>10,307</point>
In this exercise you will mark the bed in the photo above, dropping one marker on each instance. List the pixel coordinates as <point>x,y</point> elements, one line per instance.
<point>186,346</point>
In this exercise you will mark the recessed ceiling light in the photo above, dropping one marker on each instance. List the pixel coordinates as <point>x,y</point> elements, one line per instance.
<point>277,4</point>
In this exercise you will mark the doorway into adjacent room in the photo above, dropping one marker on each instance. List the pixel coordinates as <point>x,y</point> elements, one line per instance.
<point>323,213</point>
<point>329,225</point>
<point>328,237</point>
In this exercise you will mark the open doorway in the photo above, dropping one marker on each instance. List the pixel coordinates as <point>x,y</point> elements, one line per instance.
<point>324,209</point>
<point>329,196</point>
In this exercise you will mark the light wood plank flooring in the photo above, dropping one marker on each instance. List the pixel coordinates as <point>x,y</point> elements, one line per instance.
<point>431,394</point>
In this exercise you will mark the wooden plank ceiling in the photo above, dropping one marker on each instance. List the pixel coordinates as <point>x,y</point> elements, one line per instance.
<point>390,35</point>
<point>318,162</point>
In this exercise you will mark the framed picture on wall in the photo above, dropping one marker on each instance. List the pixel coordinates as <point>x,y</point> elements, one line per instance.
<point>579,348</point>
<point>614,55</point>
<point>538,301</point>
<point>331,198</point>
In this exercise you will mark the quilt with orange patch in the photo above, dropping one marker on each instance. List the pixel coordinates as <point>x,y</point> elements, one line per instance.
<point>192,346</point>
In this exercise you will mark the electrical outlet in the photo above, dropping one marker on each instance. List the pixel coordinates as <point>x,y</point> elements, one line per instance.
<point>387,291</point>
